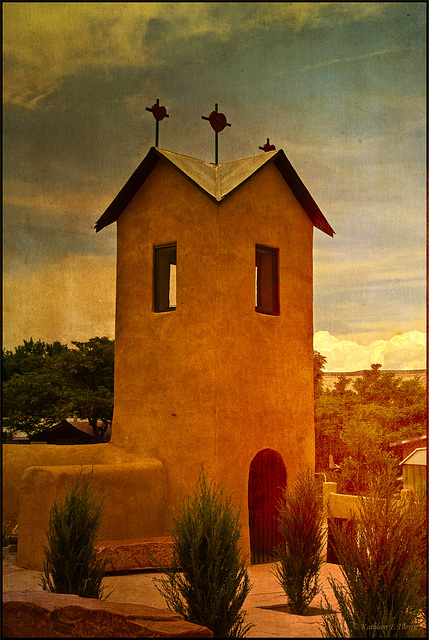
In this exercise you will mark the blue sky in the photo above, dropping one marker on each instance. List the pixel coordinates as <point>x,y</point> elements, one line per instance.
<point>340,87</point>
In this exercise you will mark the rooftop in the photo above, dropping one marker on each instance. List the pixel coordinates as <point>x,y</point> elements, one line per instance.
<point>217,181</point>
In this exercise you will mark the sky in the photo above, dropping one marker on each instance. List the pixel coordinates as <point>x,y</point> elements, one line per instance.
<point>339,86</point>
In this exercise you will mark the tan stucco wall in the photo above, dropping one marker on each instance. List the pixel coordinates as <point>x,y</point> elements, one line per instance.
<point>134,498</point>
<point>349,507</point>
<point>214,381</point>
<point>17,458</point>
<point>34,475</point>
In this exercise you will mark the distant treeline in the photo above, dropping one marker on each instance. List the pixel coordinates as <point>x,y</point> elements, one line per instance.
<point>359,414</point>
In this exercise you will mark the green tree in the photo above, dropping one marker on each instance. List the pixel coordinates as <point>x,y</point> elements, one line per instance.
<point>356,471</point>
<point>88,371</point>
<point>29,357</point>
<point>356,423</point>
<point>341,387</point>
<point>300,555</point>
<point>331,411</point>
<point>71,563</point>
<point>28,387</point>
<point>319,363</point>
<point>46,383</point>
<point>208,582</point>
<point>377,386</point>
<point>34,401</point>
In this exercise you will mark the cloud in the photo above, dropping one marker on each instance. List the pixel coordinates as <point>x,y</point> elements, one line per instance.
<point>351,59</point>
<point>44,43</point>
<point>395,273</point>
<point>301,16</point>
<point>405,351</point>
<point>55,199</point>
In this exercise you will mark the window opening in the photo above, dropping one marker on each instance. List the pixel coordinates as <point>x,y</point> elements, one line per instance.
<point>267,280</point>
<point>165,274</point>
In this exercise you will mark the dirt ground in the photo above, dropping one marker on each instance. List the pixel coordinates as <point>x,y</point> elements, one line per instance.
<point>266,604</point>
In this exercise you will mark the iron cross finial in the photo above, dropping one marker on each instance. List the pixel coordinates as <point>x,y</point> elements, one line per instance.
<point>218,123</point>
<point>159,113</point>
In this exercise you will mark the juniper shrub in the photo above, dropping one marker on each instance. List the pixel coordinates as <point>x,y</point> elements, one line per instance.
<point>384,568</point>
<point>71,564</point>
<point>300,524</point>
<point>208,582</point>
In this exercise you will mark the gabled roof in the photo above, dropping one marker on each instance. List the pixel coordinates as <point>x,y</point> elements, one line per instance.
<point>67,429</point>
<point>216,181</point>
<point>417,457</point>
<point>64,429</point>
<point>83,425</point>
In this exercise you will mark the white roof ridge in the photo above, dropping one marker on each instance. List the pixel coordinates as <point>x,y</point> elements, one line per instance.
<point>183,155</point>
<point>420,455</point>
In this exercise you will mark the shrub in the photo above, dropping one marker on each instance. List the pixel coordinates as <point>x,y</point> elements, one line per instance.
<point>356,471</point>
<point>383,567</point>
<point>207,582</point>
<point>300,555</point>
<point>9,534</point>
<point>71,564</point>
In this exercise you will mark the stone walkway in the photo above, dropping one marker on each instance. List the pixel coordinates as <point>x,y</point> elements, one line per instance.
<point>266,604</point>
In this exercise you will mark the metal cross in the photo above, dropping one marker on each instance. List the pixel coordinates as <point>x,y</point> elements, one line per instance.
<point>159,113</point>
<point>218,123</point>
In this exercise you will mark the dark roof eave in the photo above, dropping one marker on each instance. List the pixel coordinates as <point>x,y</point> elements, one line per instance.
<point>129,190</point>
<point>301,193</point>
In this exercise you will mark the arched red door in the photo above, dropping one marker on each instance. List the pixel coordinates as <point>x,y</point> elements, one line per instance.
<point>267,478</point>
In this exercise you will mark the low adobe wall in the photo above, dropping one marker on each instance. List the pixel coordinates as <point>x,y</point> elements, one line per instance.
<point>16,458</point>
<point>135,498</point>
<point>344,506</point>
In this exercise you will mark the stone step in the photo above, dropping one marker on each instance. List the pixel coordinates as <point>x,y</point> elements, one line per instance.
<point>41,614</point>
<point>140,553</point>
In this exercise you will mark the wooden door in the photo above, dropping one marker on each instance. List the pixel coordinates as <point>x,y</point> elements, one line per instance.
<point>267,478</point>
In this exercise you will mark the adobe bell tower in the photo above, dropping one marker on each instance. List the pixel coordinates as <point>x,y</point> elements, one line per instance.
<point>214,321</point>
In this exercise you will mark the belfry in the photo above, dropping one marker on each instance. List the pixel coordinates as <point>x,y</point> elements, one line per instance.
<point>213,348</point>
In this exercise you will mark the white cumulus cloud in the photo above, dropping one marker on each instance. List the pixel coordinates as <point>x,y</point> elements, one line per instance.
<point>404,351</point>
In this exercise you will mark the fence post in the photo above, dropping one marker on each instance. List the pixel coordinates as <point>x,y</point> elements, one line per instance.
<point>328,488</point>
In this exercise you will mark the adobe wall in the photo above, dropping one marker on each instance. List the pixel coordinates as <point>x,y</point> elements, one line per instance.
<point>17,458</point>
<point>134,488</point>
<point>134,499</point>
<point>348,507</point>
